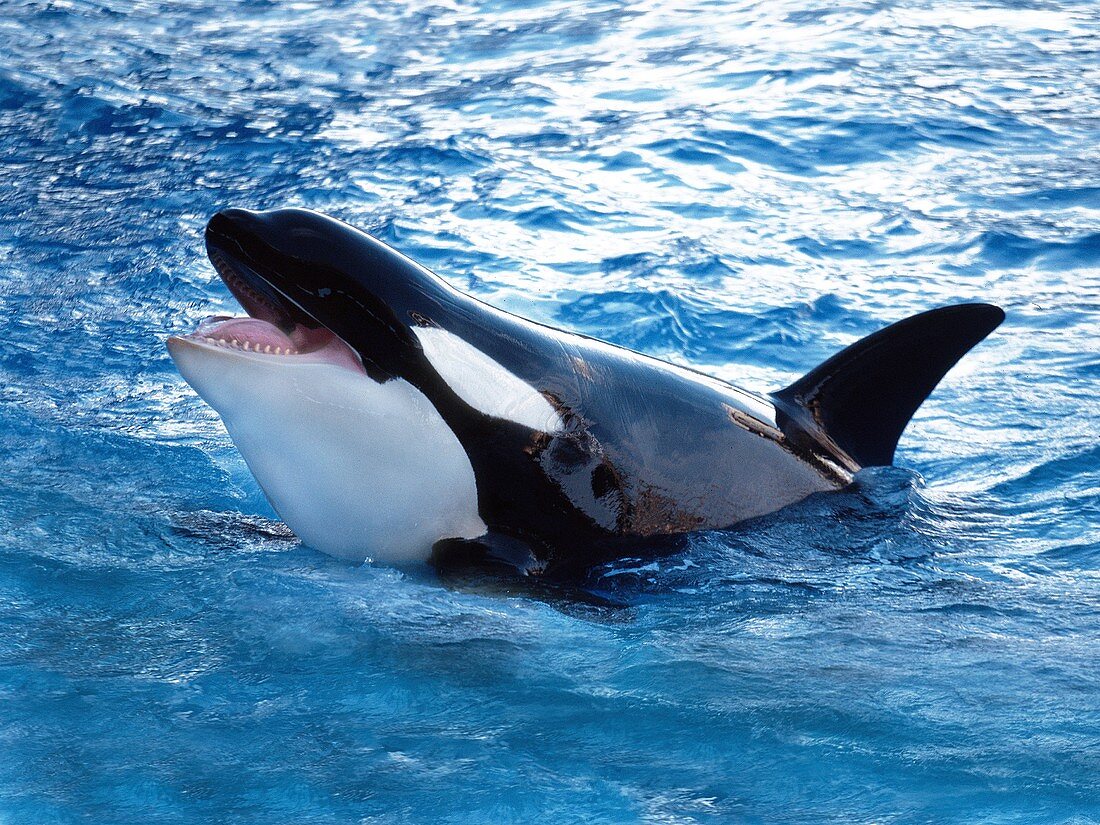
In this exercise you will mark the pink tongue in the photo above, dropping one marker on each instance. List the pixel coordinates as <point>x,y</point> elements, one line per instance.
<point>259,334</point>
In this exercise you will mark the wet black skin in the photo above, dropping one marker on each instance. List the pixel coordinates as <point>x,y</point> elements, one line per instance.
<point>647,451</point>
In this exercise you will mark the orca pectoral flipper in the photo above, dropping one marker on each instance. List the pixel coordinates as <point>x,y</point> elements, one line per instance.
<point>492,551</point>
<point>863,396</point>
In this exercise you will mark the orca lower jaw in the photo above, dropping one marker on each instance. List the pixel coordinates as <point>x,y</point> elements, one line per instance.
<point>256,338</point>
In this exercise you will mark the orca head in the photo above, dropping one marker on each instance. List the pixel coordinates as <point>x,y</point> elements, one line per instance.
<point>316,278</point>
<point>320,386</point>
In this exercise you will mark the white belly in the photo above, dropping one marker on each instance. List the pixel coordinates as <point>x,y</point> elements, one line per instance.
<point>356,469</point>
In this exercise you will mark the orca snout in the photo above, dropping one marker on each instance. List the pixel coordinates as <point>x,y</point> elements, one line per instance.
<point>232,223</point>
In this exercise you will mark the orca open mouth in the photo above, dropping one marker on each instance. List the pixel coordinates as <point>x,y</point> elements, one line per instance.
<point>274,326</point>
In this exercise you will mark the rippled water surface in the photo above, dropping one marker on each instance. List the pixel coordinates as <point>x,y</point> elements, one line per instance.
<point>743,187</point>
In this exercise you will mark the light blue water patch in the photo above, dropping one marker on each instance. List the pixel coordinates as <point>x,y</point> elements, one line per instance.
<point>740,187</point>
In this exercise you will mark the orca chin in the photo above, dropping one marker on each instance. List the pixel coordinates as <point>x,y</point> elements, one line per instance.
<point>386,415</point>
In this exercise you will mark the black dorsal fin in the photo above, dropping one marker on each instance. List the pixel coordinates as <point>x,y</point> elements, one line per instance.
<point>862,398</point>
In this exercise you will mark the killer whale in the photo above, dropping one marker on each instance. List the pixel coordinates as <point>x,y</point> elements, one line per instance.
<point>388,415</point>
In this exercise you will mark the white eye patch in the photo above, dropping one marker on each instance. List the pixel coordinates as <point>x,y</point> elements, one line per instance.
<point>484,384</point>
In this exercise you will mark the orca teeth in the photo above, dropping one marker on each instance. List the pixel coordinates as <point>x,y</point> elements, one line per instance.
<point>246,346</point>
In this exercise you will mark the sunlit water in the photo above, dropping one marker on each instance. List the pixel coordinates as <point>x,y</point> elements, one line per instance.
<point>743,187</point>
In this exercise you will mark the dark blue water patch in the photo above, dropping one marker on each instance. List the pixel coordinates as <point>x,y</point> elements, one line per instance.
<point>808,16</point>
<point>864,141</point>
<point>548,139</point>
<point>959,135</point>
<point>658,321</point>
<point>695,152</point>
<point>748,79</point>
<point>703,210</point>
<point>877,246</point>
<point>839,248</point>
<point>1066,472</point>
<point>447,158</point>
<point>549,32</point>
<point>555,217</point>
<point>636,95</point>
<point>88,115</point>
<point>547,217</point>
<point>872,139</point>
<point>1089,370</point>
<point>759,149</point>
<point>1007,250</point>
<point>624,160</point>
<point>1082,553</point>
<point>15,95</point>
<point>1068,197</point>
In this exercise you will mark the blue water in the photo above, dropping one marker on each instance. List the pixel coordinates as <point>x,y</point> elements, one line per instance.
<point>739,186</point>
